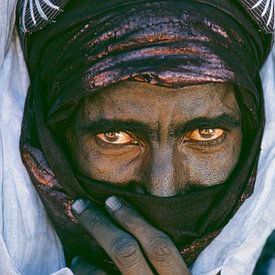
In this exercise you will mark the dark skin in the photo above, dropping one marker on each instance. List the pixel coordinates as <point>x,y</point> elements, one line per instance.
<point>167,141</point>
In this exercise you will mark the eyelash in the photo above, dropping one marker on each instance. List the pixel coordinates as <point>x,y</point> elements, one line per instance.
<point>108,145</point>
<point>115,146</point>
<point>207,143</point>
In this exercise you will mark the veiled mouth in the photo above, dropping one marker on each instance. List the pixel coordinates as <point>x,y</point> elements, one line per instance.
<point>102,189</point>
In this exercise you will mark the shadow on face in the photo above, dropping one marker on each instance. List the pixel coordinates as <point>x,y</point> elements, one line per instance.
<point>157,140</point>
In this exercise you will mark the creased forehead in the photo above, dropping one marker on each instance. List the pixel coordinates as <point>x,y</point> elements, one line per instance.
<point>168,43</point>
<point>145,103</point>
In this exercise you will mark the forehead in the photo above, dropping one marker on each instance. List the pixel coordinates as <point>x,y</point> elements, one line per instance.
<point>143,101</point>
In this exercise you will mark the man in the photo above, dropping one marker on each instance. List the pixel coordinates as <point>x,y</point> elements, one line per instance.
<point>200,61</point>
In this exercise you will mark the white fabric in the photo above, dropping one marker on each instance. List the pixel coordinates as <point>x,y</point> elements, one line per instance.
<point>28,244</point>
<point>7,12</point>
<point>236,249</point>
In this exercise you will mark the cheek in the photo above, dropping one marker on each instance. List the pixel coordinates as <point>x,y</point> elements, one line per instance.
<point>213,167</point>
<point>103,165</point>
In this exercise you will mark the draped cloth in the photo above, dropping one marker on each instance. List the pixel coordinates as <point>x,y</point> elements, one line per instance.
<point>168,43</point>
<point>241,241</point>
<point>26,234</point>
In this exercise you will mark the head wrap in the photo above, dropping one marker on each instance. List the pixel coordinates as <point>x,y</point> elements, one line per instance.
<point>94,44</point>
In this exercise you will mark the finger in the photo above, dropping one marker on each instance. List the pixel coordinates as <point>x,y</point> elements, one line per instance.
<point>122,248</point>
<point>79,266</point>
<point>157,246</point>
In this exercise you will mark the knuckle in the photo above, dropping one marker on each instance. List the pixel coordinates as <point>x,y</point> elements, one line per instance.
<point>95,221</point>
<point>126,251</point>
<point>160,249</point>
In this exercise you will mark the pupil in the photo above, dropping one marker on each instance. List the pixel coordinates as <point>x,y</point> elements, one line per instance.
<point>207,132</point>
<point>111,135</point>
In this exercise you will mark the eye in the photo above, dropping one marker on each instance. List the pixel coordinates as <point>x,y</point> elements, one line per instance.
<point>116,138</point>
<point>206,134</point>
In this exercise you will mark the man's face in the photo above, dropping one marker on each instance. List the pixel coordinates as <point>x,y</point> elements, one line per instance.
<point>157,140</point>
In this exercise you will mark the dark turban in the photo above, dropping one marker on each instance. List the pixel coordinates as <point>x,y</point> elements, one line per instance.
<point>96,43</point>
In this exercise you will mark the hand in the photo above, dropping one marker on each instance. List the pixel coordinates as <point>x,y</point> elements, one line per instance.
<point>131,242</point>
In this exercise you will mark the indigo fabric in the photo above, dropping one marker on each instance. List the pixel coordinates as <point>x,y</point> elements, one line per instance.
<point>94,44</point>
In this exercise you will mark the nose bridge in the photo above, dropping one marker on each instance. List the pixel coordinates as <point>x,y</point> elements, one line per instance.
<point>162,177</point>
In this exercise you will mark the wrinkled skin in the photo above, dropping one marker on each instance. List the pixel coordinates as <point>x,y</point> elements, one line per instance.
<point>164,142</point>
<point>160,159</point>
<point>130,246</point>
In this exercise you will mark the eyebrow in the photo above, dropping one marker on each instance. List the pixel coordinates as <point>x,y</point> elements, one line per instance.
<point>102,125</point>
<point>224,121</point>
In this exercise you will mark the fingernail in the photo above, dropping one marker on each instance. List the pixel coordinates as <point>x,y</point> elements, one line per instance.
<point>113,203</point>
<point>80,205</point>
